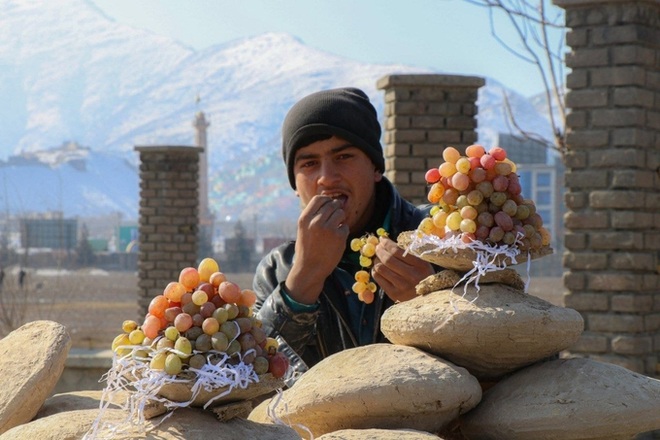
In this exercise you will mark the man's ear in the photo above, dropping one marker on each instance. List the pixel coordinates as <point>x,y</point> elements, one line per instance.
<point>378,176</point>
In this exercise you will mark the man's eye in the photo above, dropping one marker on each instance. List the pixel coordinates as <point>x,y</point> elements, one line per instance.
<point>307,164</point>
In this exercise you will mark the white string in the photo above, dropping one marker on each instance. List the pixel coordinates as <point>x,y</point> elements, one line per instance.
<point>272,414</point>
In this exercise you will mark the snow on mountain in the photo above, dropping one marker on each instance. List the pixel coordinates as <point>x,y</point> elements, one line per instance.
<point>68,73</point>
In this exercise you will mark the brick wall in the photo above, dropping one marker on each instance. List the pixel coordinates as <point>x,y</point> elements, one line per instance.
<point>423,115</point>
<point>169,214</point>
<point>612,179</point>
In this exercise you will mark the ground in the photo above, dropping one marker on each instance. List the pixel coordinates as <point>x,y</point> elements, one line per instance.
<point>93,303</point>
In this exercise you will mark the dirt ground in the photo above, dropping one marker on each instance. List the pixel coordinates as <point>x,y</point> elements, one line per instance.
<point>92,304</point>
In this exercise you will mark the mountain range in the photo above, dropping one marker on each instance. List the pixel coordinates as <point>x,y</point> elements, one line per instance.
<point>79,91</point>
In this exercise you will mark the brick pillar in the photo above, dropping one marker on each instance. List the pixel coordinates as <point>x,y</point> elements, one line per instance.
<point>423,115</point>
<point>169,217</point>
<point>612,179</point>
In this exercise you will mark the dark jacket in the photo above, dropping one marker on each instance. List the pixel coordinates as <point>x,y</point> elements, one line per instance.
<point>306,337</point>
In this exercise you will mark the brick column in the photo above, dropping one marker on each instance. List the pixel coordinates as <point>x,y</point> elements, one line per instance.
<point>612,179</point>
<point>423,115</point>
<point>169,217</point>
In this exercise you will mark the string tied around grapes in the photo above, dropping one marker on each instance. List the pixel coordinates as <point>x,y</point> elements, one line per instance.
<point>364,286</point>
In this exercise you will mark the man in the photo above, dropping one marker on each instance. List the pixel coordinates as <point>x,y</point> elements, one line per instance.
<point>331,147</point>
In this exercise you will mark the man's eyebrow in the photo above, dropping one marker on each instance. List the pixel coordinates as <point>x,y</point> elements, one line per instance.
<point>305,156</point>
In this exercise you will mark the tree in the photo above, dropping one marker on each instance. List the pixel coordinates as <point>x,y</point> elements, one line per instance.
<point>84,250</point>
<point>541,32</point>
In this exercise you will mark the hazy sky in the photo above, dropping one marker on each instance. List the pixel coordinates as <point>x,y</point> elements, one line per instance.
<point>450,36</point>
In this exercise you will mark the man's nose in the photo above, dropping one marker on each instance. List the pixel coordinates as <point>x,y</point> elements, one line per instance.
<point>328,172</point>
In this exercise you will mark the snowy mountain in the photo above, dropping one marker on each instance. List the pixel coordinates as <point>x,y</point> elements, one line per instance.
<point>70,74</point>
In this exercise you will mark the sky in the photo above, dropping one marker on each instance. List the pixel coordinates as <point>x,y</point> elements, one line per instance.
<point>449,36</point>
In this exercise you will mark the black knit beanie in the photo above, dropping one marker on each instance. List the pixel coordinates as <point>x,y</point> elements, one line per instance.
<point>346,113</point>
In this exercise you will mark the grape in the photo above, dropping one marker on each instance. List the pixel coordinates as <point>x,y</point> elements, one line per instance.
<point>503,168</point>
<point>259,334</point>
<point>270,347</point>
<point>487,161</point>
<point>365,261</point>
<point>278,364</point>
<point>535,220</point>
<point>368,250</point>
<point>206,287</point>
<point>503,220</point>
<point>522,212</point>
<point>197,320</point>
<point>248,298</point>
<point>158,361</point>
<point>468,225</point>
<point>244,324</point>
<point>172,333</point>
<point>158,305</point>
<point>183,345</point>
<point>186,298</point>
<point>173,364</point>
<point>496,234</point>
<point>514,187</point>
<point>486,219</point>
<point>468,212</point>
<point>367,296</point>
<point>432,175</point>
<point>460,181</point>
<point>356,244</point>
<point>463,165</point>
<point>482,232</point>
<point>182,322</point>
<point>509,238</point>
<point>359,287</point>
<point>191,308</point>
<point>193,333</point>
<point>220,342</point>
<point>206,268</point>
<point>233,348</point>
<point>203,343</point>
<point>475,150</point>
<point>498,198</point>
<point>136,336</point>
<point>545,236</point>
<point>216,278</point>
<point>174,291</point>
<point>207,309</point>
<point>462,201</point>
<point>447,169</point>
<point>230,329</point>
<point>478,175</point>
<point>362,276</point>
<point>498,153</point>
<point>440,219</point>
<point>474,163</point>
<point>189,277</point>
<point>232,311</point>
<point>210,326</point>
<point>450,196</point>
<point>510,207</point>
<point>122,339</point>
<point>229,291</point>
<point>199,297</point>
<point>197,361</point>
<point>475,197</point>
<point>247,341</point>
<point>485,188</point>
<point>500,183</point>
<point>450,154</point>
<point>260,365</point>
<point>171,312</point>
<point>164,343</point>
<point>151,326</point>
<point>536,241</point>
<point>436,191</point>
<point>129,325</point>
<point>454,221</point>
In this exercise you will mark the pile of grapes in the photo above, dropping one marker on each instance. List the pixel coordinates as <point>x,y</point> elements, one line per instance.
<point>364,286</point>
<point>201,318</point>
<point>478,197</point>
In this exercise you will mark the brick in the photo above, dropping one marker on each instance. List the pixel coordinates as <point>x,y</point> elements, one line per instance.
<point>406,163</point>
<point>631,220</point>
<point>633,179</point>
<point>634,345</point>
<point>576,119</point>
<point>609,322</point>
<point>577,79</point>
<point>606,282</point>
<point>574,281</point>
<point>444,136</point>
<point>445,108</point>
<point>617,158</point>
<point>616,240</point>
<point>633,96</point>
<point>575,159</point>
<point>632,261</point>
<point>653,120</point>
<point>588,57</point>
<point>591,343</point>
<point>397,149</point>
<point>461,122</point>
<point>615,35</point>
<point>576,200</point>
<point>652,241</point>
<point>585,260</point>
<point>616,199</point>
<point>398,177</point>
<point>426,150</point>
<point>575,240</point>
<point>433,122</point>
<point>617,76</point>
<point>632,137</point>
<point>632,54</point>
<point>406,108</point>
<point>586,220</point>
<point>580,179</point>
<point>576,37</point>
<point>632,302</point>
<point>652,322</point>
<point>398,122</point>
<point>581,139</point>
<point>402,136</point>
<point>619,117</point>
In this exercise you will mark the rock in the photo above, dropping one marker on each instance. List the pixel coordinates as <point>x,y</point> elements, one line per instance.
<point>376,386</point>
<point>491,332</point>
<point>380,434</point>
<point>567,399</point>
<point>188,423</point>
<point>32,359</point>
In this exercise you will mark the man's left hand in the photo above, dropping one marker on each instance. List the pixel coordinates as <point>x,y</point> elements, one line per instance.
<point>397,274</point>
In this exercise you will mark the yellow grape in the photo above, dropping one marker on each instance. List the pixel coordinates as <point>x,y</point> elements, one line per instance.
<point>174,291</point>
<point>450,154</point>
<point>468,212</point>
<point>426,225</point>
<point>468,225</point>
<point>447,169</point>
<point>381,232</point>
<point>454,221</point>
<point>440,219</point>
<point>372,239</point>
<point>368,250</point>
<point>173,364</point>
<point>207,267</point>
<point>367,297</point>
<point>120,340</point>
<point>356,244</point>
<point>158,361</point>
<point>136,336</point>
<point>362,276</point>
<point>372,287</point>
<point>199,297</point>
<point>463,165</point>
<point>475,150</point>
<point>436,192</point>
<point>365,261</point>
<point>359,287</point>
<point>189,277</point>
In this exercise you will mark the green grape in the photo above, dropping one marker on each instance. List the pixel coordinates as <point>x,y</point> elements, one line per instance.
<point>136,337</point>
<point>510,207</point>
<point>197,361</point>
<point>172,333</point>
<point>158,361</point>
<point>233,348</point>
<point>183,345</point>
<point>260,365</point>
<point>454,221</point>
<point>203,342</point>
<point>221,315</point>
<point>498,198</point>
<point>220,342</point>
<point>230,329</point>
<point>173,364</point>
<point>232,311</point>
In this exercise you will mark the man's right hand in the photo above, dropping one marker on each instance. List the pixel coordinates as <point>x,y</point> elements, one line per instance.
<point>320,243</point>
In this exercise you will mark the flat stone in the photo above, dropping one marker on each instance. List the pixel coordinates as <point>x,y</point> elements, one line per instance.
<point>380,434</point>
<point>32,359</point>
<point>380,386</point>
<point>567,399</point>
<point>490,332</point>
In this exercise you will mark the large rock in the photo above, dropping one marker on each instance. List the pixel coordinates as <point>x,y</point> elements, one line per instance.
<point>377,386</point>
<point>32,359</point>
<point>565,400</point>
<point>492,332</point>
<point>380,434</point>
<point>77,400</point>
<point>185,423</point>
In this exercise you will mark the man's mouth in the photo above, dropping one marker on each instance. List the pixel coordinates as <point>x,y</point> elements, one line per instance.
<point>337,196</point>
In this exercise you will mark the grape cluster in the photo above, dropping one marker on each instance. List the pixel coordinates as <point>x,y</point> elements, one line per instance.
<point>479,197</point>
<point>364,286</point>
<point>203,317</point>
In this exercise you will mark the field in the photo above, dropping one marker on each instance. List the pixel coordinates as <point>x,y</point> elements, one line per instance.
<point>92,304</point>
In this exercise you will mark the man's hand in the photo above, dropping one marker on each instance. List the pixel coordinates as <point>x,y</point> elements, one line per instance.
<point>320,244</point>
<point>398,275</point>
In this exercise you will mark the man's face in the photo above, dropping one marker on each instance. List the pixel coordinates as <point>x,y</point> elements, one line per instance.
<point>335,168</point>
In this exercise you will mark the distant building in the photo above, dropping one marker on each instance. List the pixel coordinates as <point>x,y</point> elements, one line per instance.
<point>49,233</point>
